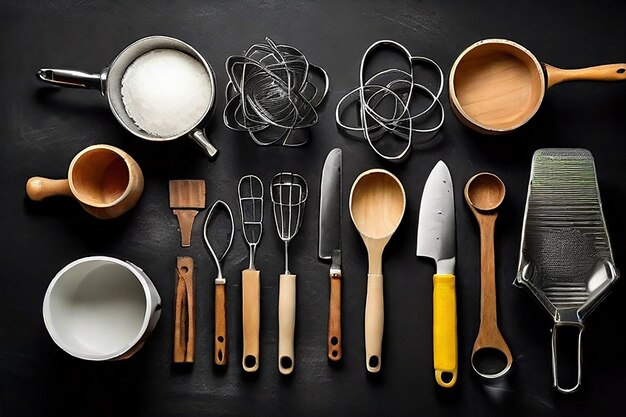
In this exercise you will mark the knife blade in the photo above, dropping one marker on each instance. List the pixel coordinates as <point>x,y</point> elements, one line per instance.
<point>436,239</point>
<point>330,243</point>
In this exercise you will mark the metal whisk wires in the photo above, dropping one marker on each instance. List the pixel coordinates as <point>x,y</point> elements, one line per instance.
<point>251,209</point>
<point>288,192</point>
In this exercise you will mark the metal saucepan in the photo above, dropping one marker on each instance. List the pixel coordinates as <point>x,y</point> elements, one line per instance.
<point>109,82</point>
<point>497,85</point>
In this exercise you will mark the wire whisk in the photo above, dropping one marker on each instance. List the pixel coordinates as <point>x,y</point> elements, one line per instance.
<point>272,94</point>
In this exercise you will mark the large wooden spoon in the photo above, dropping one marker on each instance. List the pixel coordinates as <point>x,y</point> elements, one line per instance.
<point>377,202</point>
<point>491,357</point>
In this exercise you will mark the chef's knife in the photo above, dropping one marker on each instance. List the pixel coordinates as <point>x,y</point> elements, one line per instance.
<point>330,244</point>
<point>436,239</point>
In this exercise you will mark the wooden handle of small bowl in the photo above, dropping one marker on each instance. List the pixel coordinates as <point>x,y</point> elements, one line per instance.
<point>609,72</point>
<point>39,188</point>
<point>286,323</point>
<point>334,316</point>
<point>184,323</point>
<point>251,311</point>
<point>221,347</point>
<point>374,322</point>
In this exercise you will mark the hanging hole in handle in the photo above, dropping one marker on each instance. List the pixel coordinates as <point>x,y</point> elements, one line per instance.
<point>220,355</point>
<point>184,269</point>
<point>249,361</point>
<point>373,362</point>
<point>490,362</point>
<point>334,340</point>
<point>621,70</point>
<point>220,339</point>
<point>447,377</point>
<point>334,353</point>
<point>567,356</point>
<point>286,362</point>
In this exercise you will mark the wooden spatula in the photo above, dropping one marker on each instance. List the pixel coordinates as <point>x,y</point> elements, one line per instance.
<point>186,198</point>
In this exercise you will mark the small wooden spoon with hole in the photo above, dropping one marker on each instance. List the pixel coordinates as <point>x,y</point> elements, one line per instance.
<point>491,357</point>
<point>377,202</point>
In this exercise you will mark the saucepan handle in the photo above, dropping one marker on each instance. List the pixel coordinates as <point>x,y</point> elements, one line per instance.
<point>555,375</point>
<point>72,79</point>
<point>609,72</point>
<point>200,138</point>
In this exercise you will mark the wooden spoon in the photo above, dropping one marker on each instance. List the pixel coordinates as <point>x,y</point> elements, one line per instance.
<point>377,202</point>
<point>491,357</point>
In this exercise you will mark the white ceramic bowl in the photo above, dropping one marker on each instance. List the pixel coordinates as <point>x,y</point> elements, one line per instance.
<point>101,308</point>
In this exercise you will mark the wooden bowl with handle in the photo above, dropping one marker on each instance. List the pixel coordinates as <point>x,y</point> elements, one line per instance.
<point>497,85</point>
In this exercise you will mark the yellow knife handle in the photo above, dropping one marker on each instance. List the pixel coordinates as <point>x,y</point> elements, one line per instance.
<point>444,330</point>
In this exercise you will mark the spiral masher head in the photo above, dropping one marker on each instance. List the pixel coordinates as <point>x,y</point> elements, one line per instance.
<point>288,192</point>
<point>251,209</point>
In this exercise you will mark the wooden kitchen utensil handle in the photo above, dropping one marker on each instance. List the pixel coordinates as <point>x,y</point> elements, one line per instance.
<point>286,323</point>
<point>374,322</point>
<point>39,188</point>
<point>184,321</point>
<point>185,220</point>
<point>334,316</point>
<point>609,72</point>
<point>251,312</point>
<point>445,358</point>
<point>221,347</point>
<point>488,312</point>
<point>490,348</point>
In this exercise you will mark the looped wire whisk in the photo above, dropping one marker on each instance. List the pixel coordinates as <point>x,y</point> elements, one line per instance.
<point>272,94</point>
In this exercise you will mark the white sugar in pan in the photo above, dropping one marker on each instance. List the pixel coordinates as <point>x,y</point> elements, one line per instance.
<point>166,91</point>
<point>159,88</point>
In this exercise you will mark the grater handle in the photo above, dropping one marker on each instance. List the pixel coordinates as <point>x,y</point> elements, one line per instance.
<point>555,375</point>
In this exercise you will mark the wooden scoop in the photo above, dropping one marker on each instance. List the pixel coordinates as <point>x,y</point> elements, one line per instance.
<point>491,357</point>
<point>186,198</point>
<point>377,202</point>
<point>497,85</point>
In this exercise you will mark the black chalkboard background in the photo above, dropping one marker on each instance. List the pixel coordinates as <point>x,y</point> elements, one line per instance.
<point>42,128</point>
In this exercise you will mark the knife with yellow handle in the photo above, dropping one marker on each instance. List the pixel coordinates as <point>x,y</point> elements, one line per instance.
<point>436,239</point>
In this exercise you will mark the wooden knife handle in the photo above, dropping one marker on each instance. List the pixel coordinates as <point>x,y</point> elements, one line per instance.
<point>184,321</point>
<point>334,316</point>
<point>251,311</point>
<point>221,352</point>
<point>286,323</point>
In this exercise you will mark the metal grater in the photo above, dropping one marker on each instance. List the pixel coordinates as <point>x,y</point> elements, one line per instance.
<point>565,258</point>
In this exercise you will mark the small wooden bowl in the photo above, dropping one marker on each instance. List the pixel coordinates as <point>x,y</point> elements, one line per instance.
<point>496,86</point>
